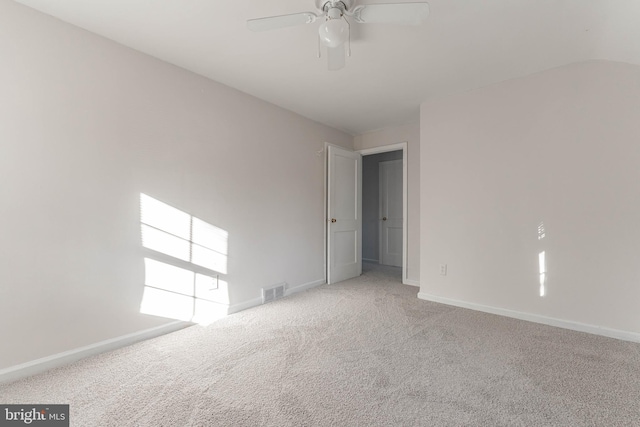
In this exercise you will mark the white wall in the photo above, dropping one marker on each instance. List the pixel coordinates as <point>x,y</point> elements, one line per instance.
<point>560,147</point>
<point>371,202</point>
<point>87,125</point>
<point>411,135</point>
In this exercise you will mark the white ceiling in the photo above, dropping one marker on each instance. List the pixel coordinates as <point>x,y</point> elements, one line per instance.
<point>464,44</point>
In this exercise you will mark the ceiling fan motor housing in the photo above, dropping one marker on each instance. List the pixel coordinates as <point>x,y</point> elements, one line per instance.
<point>326,5</point>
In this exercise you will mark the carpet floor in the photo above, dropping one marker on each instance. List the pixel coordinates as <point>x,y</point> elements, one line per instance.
<point>364,352</point>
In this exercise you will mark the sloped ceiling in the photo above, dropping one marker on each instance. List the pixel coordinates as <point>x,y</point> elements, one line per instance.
<point>463,45</point>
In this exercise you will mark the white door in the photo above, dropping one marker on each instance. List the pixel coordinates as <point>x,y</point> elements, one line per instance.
<point>344,214</point>
<point>391,212</point>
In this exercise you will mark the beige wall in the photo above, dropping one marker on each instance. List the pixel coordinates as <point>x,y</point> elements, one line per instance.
<point>411,135</point>
<point>86,125</point>
<point>559,148</point>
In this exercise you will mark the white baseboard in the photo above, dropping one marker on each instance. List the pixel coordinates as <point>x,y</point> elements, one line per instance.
<point>289,291</point>
<point>411,282</point>
<point>244,305</point>
<point>536,318</point>
<point>375,261</point>
<point>304,287</point>
<point>37,366</point>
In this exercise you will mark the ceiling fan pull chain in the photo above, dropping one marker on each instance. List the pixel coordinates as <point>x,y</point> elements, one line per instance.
<point>319,54</point>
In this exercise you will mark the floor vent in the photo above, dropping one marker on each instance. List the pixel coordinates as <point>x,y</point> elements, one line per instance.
<point>274,293</point>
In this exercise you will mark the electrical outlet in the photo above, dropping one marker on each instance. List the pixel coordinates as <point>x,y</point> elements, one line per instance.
<point>443,269</point>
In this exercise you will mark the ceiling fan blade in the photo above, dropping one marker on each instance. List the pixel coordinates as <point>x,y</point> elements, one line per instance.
<point>336,57</point>
<point>282,21</point>
<point>396,13</point>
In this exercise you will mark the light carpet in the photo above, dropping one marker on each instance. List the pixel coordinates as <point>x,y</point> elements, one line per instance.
<point>364,352</point>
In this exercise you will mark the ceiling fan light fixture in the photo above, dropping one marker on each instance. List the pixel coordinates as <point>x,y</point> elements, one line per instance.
<point>333,32</point>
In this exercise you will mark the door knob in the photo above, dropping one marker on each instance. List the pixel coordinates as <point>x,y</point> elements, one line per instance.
<point>384,218</point>
<point>333,220</point>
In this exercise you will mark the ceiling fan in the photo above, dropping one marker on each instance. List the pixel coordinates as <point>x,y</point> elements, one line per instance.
<point>334,33</point>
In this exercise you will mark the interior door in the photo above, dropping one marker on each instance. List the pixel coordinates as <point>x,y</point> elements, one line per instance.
<point>344,214</point>
<point>391,212</point>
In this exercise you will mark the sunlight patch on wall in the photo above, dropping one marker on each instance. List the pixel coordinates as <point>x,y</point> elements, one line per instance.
<point>542,261</point>
<point>186,284</point>
<point>541,231</point>
<point>172,232</point>
<point>181,294</point>
<point>158,240</point>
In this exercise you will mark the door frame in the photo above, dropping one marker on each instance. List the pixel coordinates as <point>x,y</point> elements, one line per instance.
<point>385,149</point>
<point>365,152</point>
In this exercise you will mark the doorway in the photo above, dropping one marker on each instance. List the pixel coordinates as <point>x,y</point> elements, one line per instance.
<point>393,159</point>
<point>374,217</point>
<point>381,206</point>
<point>382,216</point>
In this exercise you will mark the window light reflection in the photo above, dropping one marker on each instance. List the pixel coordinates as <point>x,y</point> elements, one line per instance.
<point>189,288</point>
<point>542,261</point>
<point>543,272</point>
<point>172,232</point>
<point>180,294</point>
